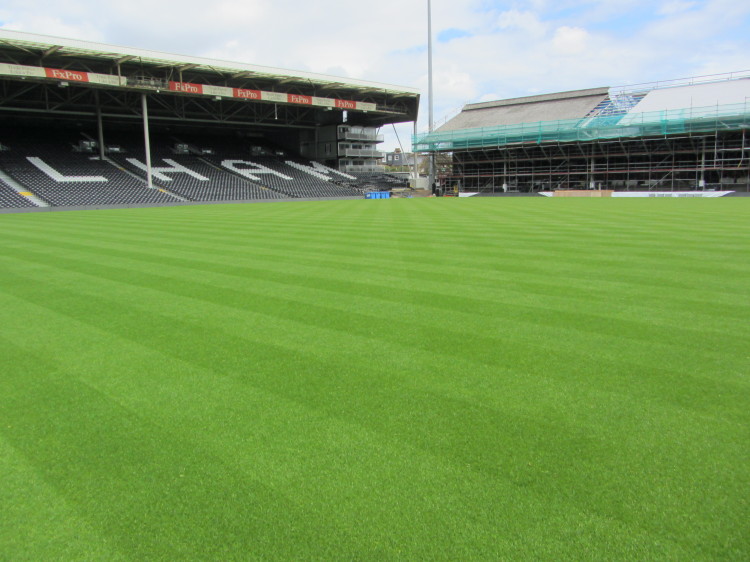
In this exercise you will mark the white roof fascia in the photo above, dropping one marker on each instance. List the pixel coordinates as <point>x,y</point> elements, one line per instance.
<point>115,51</point>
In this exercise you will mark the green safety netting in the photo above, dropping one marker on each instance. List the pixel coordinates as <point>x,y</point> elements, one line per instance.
<point>649,124</point>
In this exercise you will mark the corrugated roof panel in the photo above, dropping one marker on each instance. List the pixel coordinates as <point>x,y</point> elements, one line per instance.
<point>548,107</point>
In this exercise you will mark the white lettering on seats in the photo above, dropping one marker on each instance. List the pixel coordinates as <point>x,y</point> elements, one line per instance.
<point>174,169</point>
<point>319,170</point>
<point>57,176</point>
<point>251,173</point>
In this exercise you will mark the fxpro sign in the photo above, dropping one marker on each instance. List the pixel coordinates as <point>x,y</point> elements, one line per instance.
<point>21,71</point>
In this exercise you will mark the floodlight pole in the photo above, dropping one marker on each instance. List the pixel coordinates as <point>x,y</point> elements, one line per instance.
<point>430,125</point>
<point>144,104</point>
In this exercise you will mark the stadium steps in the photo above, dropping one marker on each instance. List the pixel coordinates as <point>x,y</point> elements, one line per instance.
<point>21,190</point>
<point>616,105</point>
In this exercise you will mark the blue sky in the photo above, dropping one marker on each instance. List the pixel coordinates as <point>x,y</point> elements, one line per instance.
<point>483,49</point>
<point>448,35</point>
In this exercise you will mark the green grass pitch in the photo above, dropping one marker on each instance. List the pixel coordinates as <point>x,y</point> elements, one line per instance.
<point>502,379</point>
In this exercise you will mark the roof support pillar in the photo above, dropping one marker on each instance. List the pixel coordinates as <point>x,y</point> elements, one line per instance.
<point>99,125</point>
<point>144,104</point>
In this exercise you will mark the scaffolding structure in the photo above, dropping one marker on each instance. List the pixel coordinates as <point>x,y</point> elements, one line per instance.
<point>610,148</point>
<point>710,161</point>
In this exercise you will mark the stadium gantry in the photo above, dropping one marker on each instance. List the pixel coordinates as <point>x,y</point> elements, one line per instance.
<point>85,123</point>
<point>688,134</point>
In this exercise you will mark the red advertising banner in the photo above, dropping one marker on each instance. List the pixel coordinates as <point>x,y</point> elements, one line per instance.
<point>197,89</point>
<point>186,87</point>
<point>297,98</point>
<point>346,104</point>
<point>246,94</point>
<point>71,75</point>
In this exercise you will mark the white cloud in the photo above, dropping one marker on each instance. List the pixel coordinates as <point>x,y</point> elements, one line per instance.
<point>526,22</point>
<point>570,40</point>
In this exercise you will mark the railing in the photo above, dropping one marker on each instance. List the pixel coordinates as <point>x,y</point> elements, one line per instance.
<point>361,152</point>
<point>659,123</point>
<point>392,109</point>
<point>368,168</point>
<point>147,82</point>
<point>362,136</point>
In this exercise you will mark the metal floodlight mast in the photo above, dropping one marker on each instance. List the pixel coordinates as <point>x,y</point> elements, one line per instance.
<point>430,125</point>
<point>429,64</point>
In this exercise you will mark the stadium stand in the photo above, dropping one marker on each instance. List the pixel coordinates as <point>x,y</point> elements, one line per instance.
<point>272,168</point>
<point>192,177</point>
<point>90,93</point>
<point>49,167</point>
<point>215,169</point>
<point>683,135</point>
<point>300,181</point>
<point>188,168</point>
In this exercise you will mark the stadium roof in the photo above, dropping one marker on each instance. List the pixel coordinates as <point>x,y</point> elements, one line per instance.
<point>686,106</point>
<point>691,97</point>
<point>46,45</point>
<point>547,107</point>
